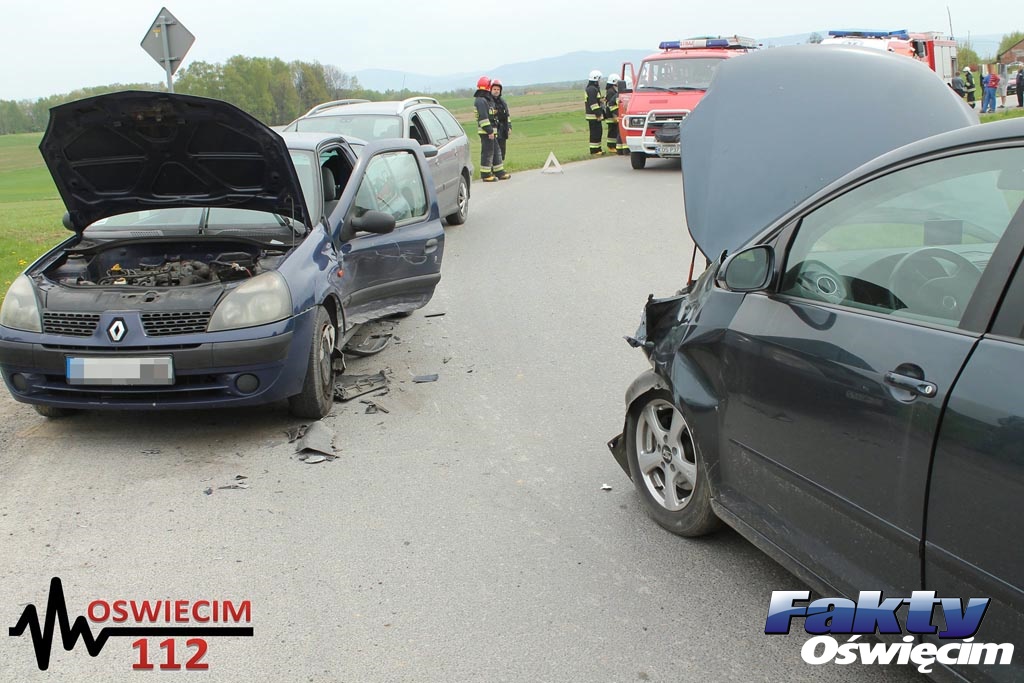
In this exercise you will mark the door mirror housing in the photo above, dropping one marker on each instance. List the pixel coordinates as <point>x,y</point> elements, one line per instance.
<point>429,151</point>
<point>749,270</point>
<point>377,222</point>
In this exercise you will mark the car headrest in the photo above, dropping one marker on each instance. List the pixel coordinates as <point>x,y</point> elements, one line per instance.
<point>330,187</point>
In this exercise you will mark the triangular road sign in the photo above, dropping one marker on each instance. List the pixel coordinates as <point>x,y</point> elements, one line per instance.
<point>551,165</point>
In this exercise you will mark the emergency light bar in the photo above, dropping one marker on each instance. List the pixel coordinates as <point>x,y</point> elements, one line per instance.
<point>706,42</point>
<point>856,33</point>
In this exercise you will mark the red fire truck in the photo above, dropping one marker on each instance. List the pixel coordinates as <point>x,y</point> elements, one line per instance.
<point>932,47</point>
<point>669,85</point>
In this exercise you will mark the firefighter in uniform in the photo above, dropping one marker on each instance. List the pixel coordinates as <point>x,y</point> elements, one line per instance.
<point>611,108</point>
<point>492,166</point>
<point>594,107</point>
<point>501,118</point>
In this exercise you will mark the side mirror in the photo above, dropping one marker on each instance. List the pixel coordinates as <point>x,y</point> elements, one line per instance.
<point>377,222</point>
<point>749,270</point>
<point>429,151</point>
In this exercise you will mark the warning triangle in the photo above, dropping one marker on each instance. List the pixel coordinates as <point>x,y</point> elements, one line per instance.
<point>551,165</point>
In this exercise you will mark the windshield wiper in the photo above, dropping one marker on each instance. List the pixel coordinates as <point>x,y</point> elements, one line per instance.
<point>687,87</point>
<point>654,87</point>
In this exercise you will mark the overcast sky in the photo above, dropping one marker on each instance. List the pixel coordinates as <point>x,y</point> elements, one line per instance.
<point>55,46</point>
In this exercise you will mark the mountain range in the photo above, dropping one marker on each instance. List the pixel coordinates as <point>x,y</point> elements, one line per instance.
<point>574,66</point>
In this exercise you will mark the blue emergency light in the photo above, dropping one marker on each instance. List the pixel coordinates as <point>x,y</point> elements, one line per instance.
<point>708,41</point>
<point>857,33</point>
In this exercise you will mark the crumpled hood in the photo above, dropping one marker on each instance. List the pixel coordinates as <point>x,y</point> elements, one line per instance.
<point>778,125</point>
<point>131,151</point>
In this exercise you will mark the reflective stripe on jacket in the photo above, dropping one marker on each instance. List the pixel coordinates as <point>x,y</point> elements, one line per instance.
<point>594,105</point>
<point>484,112</point>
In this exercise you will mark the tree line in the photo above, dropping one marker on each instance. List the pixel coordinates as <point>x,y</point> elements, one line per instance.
<point>272,90</point>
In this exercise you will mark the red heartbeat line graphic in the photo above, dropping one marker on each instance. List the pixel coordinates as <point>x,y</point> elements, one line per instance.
<point>57,614</point>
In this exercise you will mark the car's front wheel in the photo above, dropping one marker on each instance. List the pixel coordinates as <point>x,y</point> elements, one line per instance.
<point>462,204</point>
<point>667,468</point>
<point>637,160</point>
<point>317,395</point>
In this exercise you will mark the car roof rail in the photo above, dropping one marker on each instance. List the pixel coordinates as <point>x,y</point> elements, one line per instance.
<point>335,103</point>
<point>405,104</point>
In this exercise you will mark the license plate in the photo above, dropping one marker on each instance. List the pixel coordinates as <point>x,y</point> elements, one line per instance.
<point>121,372</point>
<point>668,150</point>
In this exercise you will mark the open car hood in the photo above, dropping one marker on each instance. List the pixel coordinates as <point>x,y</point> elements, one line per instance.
<point>778,125</point>
<point>131,151</point>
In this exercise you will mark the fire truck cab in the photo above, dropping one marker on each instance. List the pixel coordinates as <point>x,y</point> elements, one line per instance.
<point>931,48</point>
<point>668,86</point>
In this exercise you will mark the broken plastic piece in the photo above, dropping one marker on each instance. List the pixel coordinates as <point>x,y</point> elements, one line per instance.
<point>434,315</point>
<point>314,459</point>
<point>606,487</point>
<point>421,379</point>
<point>318,438</point>
<point>348,387</point>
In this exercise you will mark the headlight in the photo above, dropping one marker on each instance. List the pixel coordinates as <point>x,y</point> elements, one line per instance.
<point>263,299</point>
<point>20,310</point>
<point>637,121</point>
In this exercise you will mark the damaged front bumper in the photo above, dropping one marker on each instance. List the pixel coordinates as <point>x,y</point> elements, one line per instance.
<point>238,368</point>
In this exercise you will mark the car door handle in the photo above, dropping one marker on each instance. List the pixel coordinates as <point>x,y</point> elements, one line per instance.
<point>914,385</point>
<point>430,247</point>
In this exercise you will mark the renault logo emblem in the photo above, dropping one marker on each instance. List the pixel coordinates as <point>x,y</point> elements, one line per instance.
<point>117,330</point>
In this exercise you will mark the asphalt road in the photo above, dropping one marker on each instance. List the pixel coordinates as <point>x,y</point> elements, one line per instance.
<point>462,536</point>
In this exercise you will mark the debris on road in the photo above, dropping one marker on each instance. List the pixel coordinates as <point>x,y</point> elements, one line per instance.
<point>348,387</point>
<point>236,485</point>
<point>434,315</point>
<point>317,439</point>
<point>314,459</point>
<point>606,487</point>
<point>422,379</point>
<point>209,491</point>
<point>372,408</point>
<point>370,339</point>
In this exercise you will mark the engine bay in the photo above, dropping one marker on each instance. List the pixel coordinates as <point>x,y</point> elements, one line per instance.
<point>162,263</point>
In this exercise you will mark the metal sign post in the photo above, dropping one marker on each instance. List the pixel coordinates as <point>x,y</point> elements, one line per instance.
<point>168,41</point>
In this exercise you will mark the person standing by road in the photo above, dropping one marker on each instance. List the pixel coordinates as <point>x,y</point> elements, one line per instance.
<point>492,166</point>
<point>958,86</point>
<point>1020,87</point>
<point>989,82</point>
<point>611,108</point>
<point>969,86</point>
<point>594,108</point>
<point>501,117</point>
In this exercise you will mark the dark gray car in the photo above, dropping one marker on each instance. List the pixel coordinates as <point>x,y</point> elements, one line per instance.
<point>422,119</point>
<point>842,384</point>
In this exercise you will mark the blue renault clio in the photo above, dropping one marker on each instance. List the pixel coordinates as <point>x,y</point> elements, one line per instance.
<point>213,262</point>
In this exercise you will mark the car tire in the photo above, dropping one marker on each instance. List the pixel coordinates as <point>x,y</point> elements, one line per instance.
<point>660,444</point>
<point>317,396</point>
<point>54,412</point>
<point>462,212</point>
<point>637,160</point>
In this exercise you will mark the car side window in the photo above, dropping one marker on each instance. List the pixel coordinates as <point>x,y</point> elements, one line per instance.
<point>416,130</point>
<point>912,243</point>
<point>451,126</point>
<point>434,128</point>
<point>392,183</point>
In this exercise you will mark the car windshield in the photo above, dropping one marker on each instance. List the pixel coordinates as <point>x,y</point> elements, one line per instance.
<point>194,220</point>
<point>684,73</point>
<point>364,126</point>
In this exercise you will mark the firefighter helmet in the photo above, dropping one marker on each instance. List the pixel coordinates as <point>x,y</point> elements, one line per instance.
<point>595,75</point>
<point>483,83</point>
<point>497,82</point>
<point>613,79</point>
<point>967,68</point>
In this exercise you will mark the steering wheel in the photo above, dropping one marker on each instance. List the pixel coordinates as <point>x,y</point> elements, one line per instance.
<point>925,285</point>
<point>819,281</point>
